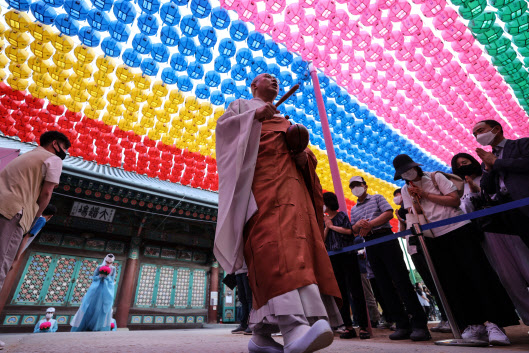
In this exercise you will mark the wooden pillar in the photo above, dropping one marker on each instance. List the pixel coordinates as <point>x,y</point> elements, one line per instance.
<point>214,293</point>
<point>129,279</point>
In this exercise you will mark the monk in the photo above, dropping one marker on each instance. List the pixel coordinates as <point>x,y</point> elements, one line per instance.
<point>271,216</point>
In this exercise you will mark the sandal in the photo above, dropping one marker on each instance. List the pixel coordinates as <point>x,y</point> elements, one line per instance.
<point>364,334</point>
<point>348,334</point>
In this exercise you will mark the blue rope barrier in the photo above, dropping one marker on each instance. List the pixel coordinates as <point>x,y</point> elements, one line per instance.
<point>464,217</point>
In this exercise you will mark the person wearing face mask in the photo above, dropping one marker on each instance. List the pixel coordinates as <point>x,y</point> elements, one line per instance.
<point>370,218</point>
<point>460,262</point>
<point>506,251</point>
<point>26,185</point>
<point>505,170</point>
<point>49,318</point>
<point>95,312</point>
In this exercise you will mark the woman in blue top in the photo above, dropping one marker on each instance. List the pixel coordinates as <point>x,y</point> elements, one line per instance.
<point>338,234</point>
<point>95,313</point>
<point>49,318</point>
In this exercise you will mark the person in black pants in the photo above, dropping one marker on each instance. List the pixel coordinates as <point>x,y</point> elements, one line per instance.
<point>338,235</point>
<point>244,293</point>
<point>370,218</point>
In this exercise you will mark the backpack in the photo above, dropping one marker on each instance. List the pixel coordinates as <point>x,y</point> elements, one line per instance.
<point>456,180</point>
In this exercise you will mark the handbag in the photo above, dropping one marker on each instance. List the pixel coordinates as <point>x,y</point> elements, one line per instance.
<point>415,217</point>
<point>494,223</point>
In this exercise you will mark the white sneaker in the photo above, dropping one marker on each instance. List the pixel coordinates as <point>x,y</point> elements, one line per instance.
<point>496,335</point>
<point>475,332</point>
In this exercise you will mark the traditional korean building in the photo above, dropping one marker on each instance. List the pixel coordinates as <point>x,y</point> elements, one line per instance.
<point>161,234</point>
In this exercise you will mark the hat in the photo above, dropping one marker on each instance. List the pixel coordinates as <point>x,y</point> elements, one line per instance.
<point>402,163</point>
<point>50,310</point>
<point>356,178</point>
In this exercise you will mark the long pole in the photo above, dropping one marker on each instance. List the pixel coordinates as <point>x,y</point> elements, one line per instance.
<point>407,257</point>
<point>333,164</point>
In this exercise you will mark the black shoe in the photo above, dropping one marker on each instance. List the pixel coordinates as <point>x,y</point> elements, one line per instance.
<point>374,324</point>
<point>420,334</point>
<point>239,330</point>
<point>348,334</point>
<point>248,331</point>
<point>400,334</point>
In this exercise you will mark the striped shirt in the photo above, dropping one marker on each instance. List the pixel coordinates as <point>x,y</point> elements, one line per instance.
<point>372,207</point>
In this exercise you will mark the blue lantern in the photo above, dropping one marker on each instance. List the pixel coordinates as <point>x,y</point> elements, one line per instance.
<point>160,53</point>
<point>285,78</point>
<point>190,26</point>
<point>184,83</point>
<point>181,2</point>
<point>212,79</point>
<point>149,6</point>
<point>274,70</point>
<point>333,90</point>
<point>67,25</point>
<point>89,36</point>
<point>20,5</point>
<point>200,8</point>
<point>227,48</point>
<point>141,43</point>
<point>324,80</point>
<point>78,9</point>
<point>238,72</point>
<point>103,5</point>
<point>148,24</point>
<point>124,11</point>
<point>111,47</point>
<point>149,67</point>
<point>244,57</point>
<point>238,31</point>
<point>255,41</point>
<point>228,102</point>
<point>99,20</point>
<point>169,36</point>
<point>203,55</point>
<point>259,65</point>
<point>250,77</point>
<point>187,46</point>
<point>202,91</point>
<point>308,91</point>
<point>54,3</point>
<point>228,86</point>
<point>284,58</point>
<point>217,98</point>
<point>169,14</point>
<point>270,49</point>
<point>131,58</point>
<point>195,71</point>
<point>298,65</point>
<point>222,64</point>
<point>178,62</point>
<point>343,98</point>
<point>119,31</point>
<point>207,36</point>
<point>243,92</point>
<point>169,76</point>
<point>43,12</point>
<point>220,19</point>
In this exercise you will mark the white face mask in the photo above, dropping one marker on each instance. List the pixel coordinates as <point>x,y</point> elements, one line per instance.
<point>324,209</point>
<point>358,191</point>
<point>397,199</point>
<point>409,174</point>
<point>49,315</point>
<point>486,138</point>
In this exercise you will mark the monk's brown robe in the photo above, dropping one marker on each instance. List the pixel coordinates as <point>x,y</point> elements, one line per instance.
<point>284,247</point>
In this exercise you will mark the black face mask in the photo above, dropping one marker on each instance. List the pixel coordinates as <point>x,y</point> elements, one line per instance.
<point>468,170</point>
<point>60,153</point>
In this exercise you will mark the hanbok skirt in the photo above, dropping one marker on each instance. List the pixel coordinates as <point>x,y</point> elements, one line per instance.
<point>95,313</point>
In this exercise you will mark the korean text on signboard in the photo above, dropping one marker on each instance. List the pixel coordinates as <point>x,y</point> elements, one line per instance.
<point>97,213</point>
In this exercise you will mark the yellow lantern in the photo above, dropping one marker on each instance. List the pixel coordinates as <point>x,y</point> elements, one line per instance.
<point>20,70</point>
<point>192,103</point>
<point>130,105</point>
<point>124,73</point>
<point>83,70</point>
<point>41,49</point>
<point>3,60</point>
<point>154,135</point>
<point>147,122</point>
<point>109,119</point>
<point>2,29</point>
<point>148,111</point>
<point>154,101</point>
<point>205,109</point>
<point>96,103</point>
<point>40,32</point>
<point>122,88</point>
<point>2,45</point>
<point>125,125</point>
<point>177,123</point>
<point>159,89</point>
<point>56,98</point>
<point>84,54</point>
<point>78,82</point>
<point>114,98</point>
<point>91,112</point>
<point>105,64</point>
<point>161,127</point>
<point>38,65</point>
<point>42,80</point>
<point>115,110</point>
<point>63,88</point>
<point>163,116</point>
<point>17,20</point>
<point>176,96</point>
<point>79,96</point>
<point>17,39</point>
<point>16,54</point>
<point>95,90</point>
<point>58,74</point>
<point>139,130</point>
<point>18,84</point>
<point>218,112</point>
<point>62,43</point>
<point>37,91</point>
<point>168,140</point>
<point>3,75</point>
<point>73,106</point>
<point>130,116</point>
<point>64,61</point>
<point>142,82</point>
<point>175,132</point>
<point>103,79</point>
<point>138,95</point>
<point>170,107</point>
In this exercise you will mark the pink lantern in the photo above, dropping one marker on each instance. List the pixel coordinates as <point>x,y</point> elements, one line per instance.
<point>411,25</point>
<point>355,87</point>
<point>275,6</point>
<point>294,13</point>
<point>307,4</point>
<point>394,40</point>
<point>346,54</point>
<point>464,43</point>
<point>487,74</point>
<point>416,63</point>
<point>228,4</point>
<point>356,7</point>
<point>398,100</point>
<point>442,58</point>
<point>325,9</point>
<point>263,22</point>
<point>445,19</point>
<point>425,73</point>
<point>350,30</point>
<point>399,11</point>
<point>323,34</point>
<point>385,112</point>
<point>246,9</point>
<point>478,66</point>
<point>295,42</point>
<point>471,55</point>
<point>405,83</point>
<point>321,60</point>
<point>459,79</point>
<point>454,32</point>
<point>371,16</point>
<point>440,92</point>
<point>369,74</point>
<point>382,28</point>
<point>385,62</point>
<point>388,92</point>
<point>357,64</point>
<point>309,25</point>
<point>334,45</point>
<point>366,96</point>
<point>430,8</point>
<point>333,68</point>
<point>406,52</point>
<point>385,4</point>
<point>434,82</point>
<point>451,69</point>
<point>414,91</point>
<point>361,41</point>
<point>466,87</point>
<point>339,20</point>
<point>421,99</point>
<point>280,32</point>
<point>309,51</point>
<point>376,104</point>
<point>344,78</point>
<point>431,105</point>
<point>423,37</point>
<point>380,83</point>
<point>395,73</point>
<point>373,52</point>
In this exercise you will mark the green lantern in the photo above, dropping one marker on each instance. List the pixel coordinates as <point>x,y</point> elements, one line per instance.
<point>519,25</point>
<point>490,36</point>
<point>458,2</point>
<point>526,61</point>
<point>498,47</point>
<point>500,3</point>
<point>510,68</point>
<point>504,58</point>
<point>482,22</point>
<point>472,9</point>
<point>521,40</point>
<point>524,51</point>
<point>516,78</point>
<point>513,10</point>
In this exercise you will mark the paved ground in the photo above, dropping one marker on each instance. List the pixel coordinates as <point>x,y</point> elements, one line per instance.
<point>219,340</point>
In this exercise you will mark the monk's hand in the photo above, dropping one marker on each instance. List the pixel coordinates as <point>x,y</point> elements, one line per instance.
<point>301,158</point>
<point>267,111</point>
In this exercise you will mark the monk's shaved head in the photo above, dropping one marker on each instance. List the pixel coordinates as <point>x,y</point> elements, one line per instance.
<point>255,81</point>
<point>265,87</point>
